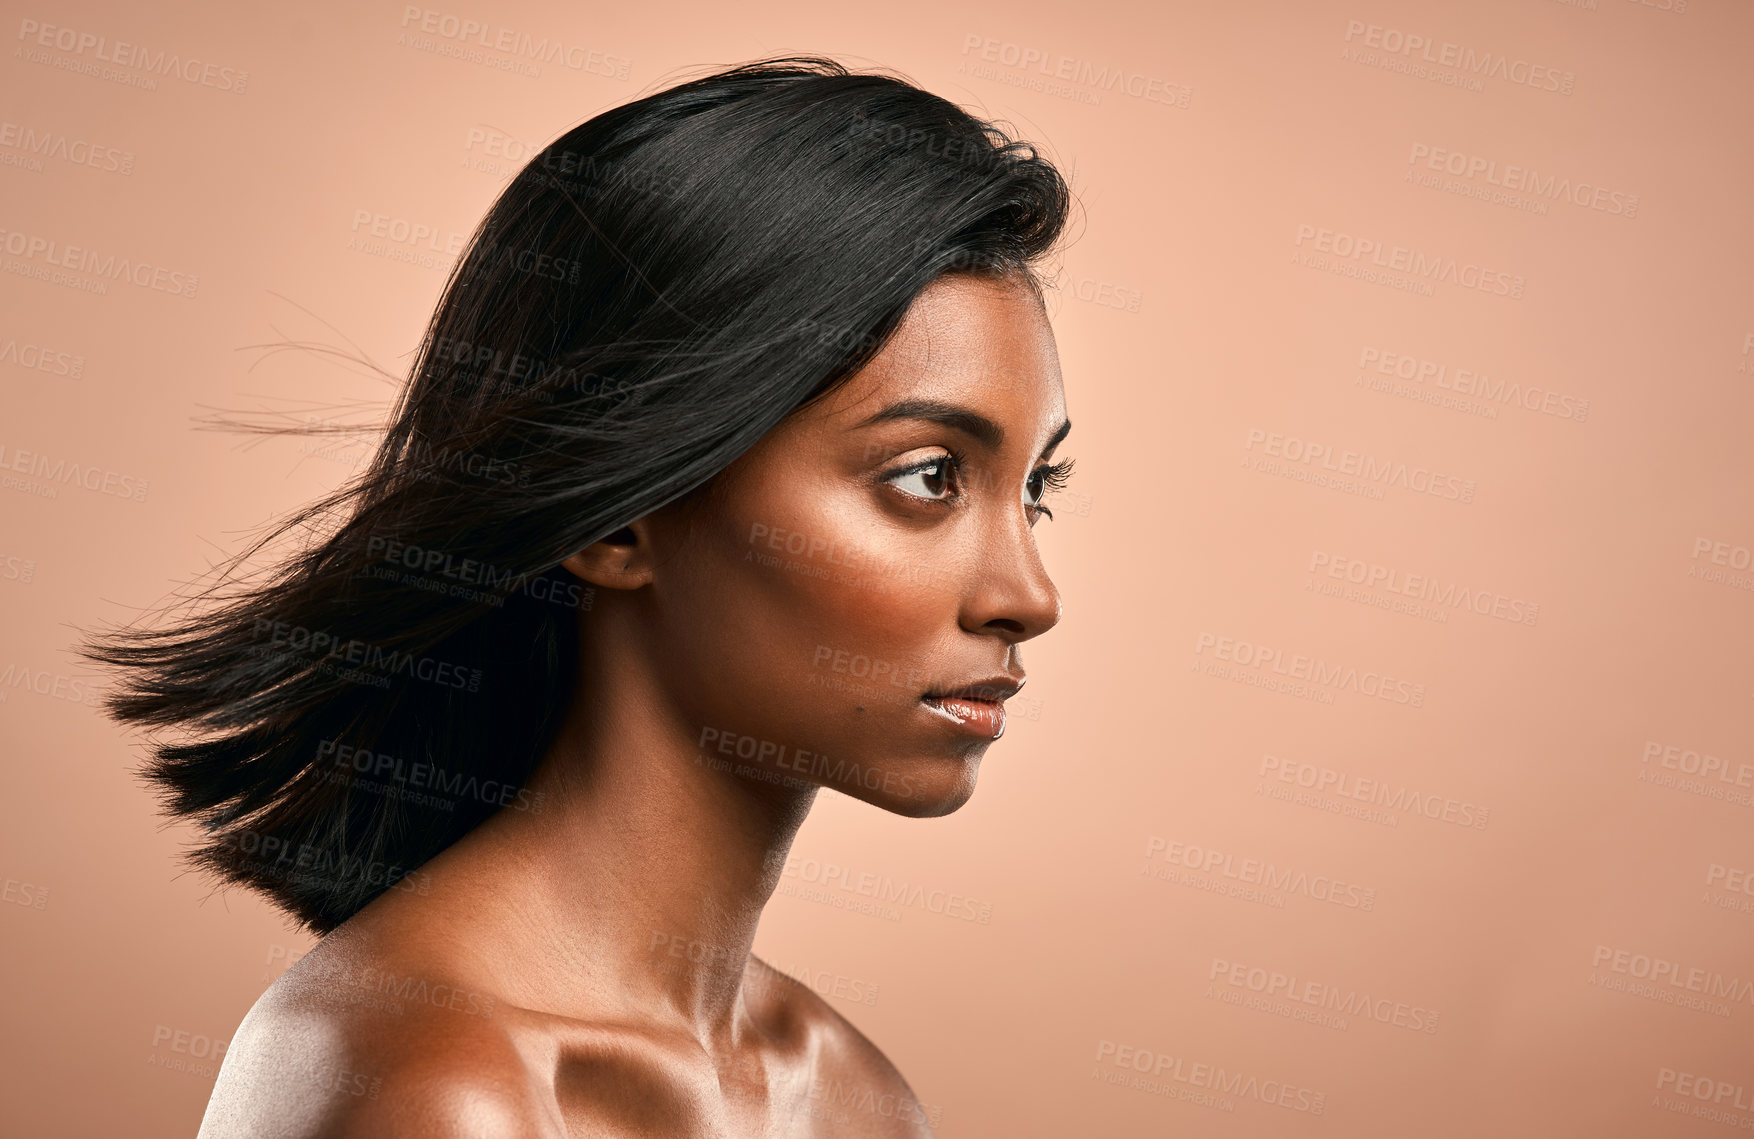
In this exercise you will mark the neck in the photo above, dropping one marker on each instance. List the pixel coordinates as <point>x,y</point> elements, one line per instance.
<point>638,884</point>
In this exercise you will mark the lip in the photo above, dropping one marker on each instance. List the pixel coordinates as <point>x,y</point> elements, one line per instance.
<point>993,689</point>
<point>978,709</point>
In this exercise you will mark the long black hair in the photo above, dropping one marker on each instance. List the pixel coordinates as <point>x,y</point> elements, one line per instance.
<point>653,292</point>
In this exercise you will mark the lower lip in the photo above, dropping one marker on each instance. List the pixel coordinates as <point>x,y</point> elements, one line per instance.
<point>982,718</point>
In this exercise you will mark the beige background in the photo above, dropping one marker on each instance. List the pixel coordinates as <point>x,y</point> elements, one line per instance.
<point>1204,342</point>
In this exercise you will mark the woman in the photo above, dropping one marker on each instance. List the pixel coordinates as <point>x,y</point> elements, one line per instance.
<point>713,486</point>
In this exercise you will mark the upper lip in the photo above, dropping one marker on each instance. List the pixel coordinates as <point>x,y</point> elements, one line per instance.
<point>995,689</point>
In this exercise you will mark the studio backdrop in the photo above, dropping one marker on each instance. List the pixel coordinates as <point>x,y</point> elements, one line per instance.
<point>1391,770</point>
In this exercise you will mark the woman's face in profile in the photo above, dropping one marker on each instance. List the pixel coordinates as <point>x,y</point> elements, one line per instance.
<point>873,551</point>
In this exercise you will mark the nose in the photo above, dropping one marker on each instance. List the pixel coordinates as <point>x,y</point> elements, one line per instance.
<point>1012,596</point>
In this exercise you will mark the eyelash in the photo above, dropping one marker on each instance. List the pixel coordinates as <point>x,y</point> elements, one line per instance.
<point>1054,476</point>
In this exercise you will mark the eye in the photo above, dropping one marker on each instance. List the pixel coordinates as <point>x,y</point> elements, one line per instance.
<point>1041,481</point>
<point>932,480</point>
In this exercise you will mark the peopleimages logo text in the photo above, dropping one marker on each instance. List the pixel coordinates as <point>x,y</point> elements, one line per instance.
<point>1486,64</point>
<point>1431,267</point>
<point>34,33</point>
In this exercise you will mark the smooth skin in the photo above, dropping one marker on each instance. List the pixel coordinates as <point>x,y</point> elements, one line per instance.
<point>585,969</point>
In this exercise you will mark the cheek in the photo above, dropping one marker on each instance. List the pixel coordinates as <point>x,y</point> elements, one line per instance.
<point>808,626</point>
<point>859,640</point>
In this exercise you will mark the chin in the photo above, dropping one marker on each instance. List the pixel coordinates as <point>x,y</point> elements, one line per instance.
<point>935,787</point>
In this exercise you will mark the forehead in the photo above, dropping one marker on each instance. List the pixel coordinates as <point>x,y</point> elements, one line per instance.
<point>981,343</point>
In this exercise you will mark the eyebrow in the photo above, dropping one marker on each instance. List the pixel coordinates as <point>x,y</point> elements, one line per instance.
<point>971,423</point>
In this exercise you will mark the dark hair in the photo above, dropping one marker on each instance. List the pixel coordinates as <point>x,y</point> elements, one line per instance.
<point>656,290</point>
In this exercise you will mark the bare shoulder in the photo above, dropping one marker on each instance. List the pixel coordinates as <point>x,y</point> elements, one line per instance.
<point>350,1046</point>
<point>853,1087</point>
<point>339,1048</point>
<point>357,1046</point>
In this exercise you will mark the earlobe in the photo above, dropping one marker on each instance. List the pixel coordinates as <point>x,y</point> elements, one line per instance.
<point>622,560</point>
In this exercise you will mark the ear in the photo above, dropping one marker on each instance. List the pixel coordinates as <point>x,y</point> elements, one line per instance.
<point>622,560</point>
